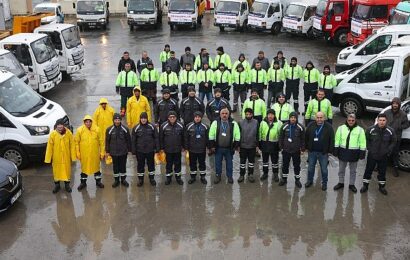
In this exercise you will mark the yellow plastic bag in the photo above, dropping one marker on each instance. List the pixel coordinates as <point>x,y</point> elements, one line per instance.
<point>160,158</point>
<point>108,160</point>
<point>187,158</point>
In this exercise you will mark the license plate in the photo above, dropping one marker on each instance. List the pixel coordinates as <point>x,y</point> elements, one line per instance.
<point>92,24</point>
<point>15,197</point>
<point>140,22</point>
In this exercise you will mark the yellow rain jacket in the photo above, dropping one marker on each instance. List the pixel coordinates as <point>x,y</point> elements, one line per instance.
<point>103,117</point>
<point>135,108</point>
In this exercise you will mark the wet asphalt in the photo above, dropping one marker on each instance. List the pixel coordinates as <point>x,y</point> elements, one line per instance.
<point>241,221</point>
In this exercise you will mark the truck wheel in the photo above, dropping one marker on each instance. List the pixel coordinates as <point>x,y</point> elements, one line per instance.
<point>15,154</point>
<point>276,27</point>
<point>351,105</point>
<point>221,28</point>
<point>404,157</point>
<point>340,38</point>
<point>172,27</point>
<point>131,28</point>
<point>81,28</point>
<point>310,34</point>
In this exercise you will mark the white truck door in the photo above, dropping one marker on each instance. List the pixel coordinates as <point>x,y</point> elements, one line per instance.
<point>271,17</point>
<point>307,22</point>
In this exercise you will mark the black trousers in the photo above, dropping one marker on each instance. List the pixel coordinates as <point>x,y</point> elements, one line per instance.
<point>247,154</point>
<point>173,163</point>
<point>274,157</point>
<point>309,92</point>
<point>286,161</point>
<point>395,154</point>
<point>381,166</point>
<point>145,158</point>
<point>119,164</point>
<point>292,90</point>
<point>195,160</point>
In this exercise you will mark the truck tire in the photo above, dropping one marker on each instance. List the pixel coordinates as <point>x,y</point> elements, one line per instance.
<point>15,154</point>
<point>131,28</point>
<point>276,27</point>
<point>310,34</point>
<point>81,28</point>
<point>221,28</point>
<point>172,27</point>
<point>404,157</point>
<point>340,38</point>
<point>351,105</point>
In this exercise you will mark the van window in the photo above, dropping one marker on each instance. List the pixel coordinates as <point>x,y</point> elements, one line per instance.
<point>406,66</point>
<point>376,46</point>
<point>4,122</point>
<point>378,71</point>
<point>21,52</point>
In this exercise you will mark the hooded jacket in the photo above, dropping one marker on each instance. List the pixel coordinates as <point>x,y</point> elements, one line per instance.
<point>145,138</point>
<point>350,143</point>
<point>103,117</point>
<point>134,109</point>
<point>117,140</point>
<point>282,111</point>
<point>397,119</point>
<point>269,135</point>
<point>380,141</point>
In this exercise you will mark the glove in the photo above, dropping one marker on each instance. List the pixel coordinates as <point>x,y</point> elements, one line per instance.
<point>362,155</point>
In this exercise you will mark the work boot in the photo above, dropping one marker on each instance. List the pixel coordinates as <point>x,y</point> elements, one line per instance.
<point>56,187</point>
<point>264,176</point>
<point>324,187</point>
<point>251,179</point>
<point>217,179</point>
<point>338,186</point>
<point>124,182</point>
<point>116,182</point>
<point>396,171</point>
<point>298,183</point>
<point>99,184</point>
<point>140,181</point>
<point>152,180</point>
<point>193,179</point>
<point>179,180</point>
<point>353,188</point>
<point>308,184</point>
<point>365,188</point>
<point>241,178</point>
<point>168,181</point>
<point>67,187</point>
<point>82,185</point>
<point>382,189</point>
<point>283,181</point>
<point>230,180</point>
<point>203,179</point>
<point>275,177</point>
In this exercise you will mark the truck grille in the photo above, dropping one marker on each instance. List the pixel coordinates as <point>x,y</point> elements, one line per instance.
<point>53,72</point>
<point>91,20</point>
<point>78,57</point>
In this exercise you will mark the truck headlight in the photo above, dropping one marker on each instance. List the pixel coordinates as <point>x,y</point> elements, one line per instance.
<point>38,130</point>
<point>80,20</point>
<point>43,79</point>
<point>344,56</point>
<point>102,20</point>
<point>71,62</point>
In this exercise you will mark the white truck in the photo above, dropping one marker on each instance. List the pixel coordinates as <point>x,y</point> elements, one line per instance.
<point>373,85</point>
<point>26,120</point>
<point>38,57</point>
<point>356,55</point>
<point>92,13</point>
<point>266,15</point>
<point>67,42</point>
<point>185,13</point>
<point>143,13</point>
<point>10,63</point>
<point>299,17</point>
<point>231,14</point>
<point>54,8</point>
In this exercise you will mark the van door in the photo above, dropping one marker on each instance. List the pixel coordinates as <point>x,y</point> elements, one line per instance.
<point>374,47</point>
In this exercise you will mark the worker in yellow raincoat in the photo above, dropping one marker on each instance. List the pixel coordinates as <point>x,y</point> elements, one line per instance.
<point>103,115</point>
<point>135,106</point>
<point>90,149</point>
<point>61,152</point>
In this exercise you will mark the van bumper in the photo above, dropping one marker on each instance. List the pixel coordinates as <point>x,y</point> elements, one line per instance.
<point>35,152</point>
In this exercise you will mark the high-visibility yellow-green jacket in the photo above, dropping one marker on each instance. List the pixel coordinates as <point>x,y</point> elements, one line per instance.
<point>131,77</point>
<point>293,72</point>
<point>258,76</point>
<point>225,59</point>
<point>282,111</point>
<point>164,56</point>
<point>168,79</point>
<point>311,76</point>
<point>245,64</point>
<point>273,133</point>
<point>313,108</point>
<point>198,65</point>
<point>149,75</point>
<point>327,81</point>
<point>240,77</point>
<point>276,75</point>
<point>205,76</point>
<point>220,77</point>
<point>258,106</point>
<point>186,77</point>
<point>356,147</point>
<point>214,133</point>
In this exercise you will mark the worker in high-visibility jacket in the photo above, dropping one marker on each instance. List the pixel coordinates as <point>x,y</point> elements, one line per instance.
<point>320,103</point>
<point>276,81</point>
<point>164,56</point>
<point>222,57</point>
<point>257,104</point>
<point>241,60</point>
<point>350,146</point>
<point>135,106</point>
<point>311,78</point>
<point>222,78</point>
<point>240,83</point>
<point>282,108</point>
<point>169,80</point>
<point>327,81</point>
<point>202,58</point>
<point>149,79</point>
<point>258,79</point>
<point>125,83</point>
<point>187,77</point>
<point>103,115</point>
<point>206,80</point>
<point>293,73</point>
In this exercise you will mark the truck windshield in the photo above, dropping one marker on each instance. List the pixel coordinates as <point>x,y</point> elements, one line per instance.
<point>10,63</point>
<point>43,49</point>
<point>19,99</point>
<point>228,7</point>
<point>321,8</point>
<point>182,6</point>
<point>400,17</point>
<point>365,12</point>
<point>44,10</point>
<point>71,37</point>
<point>141,6</point>
<point>90,7</point>
<point>259,8</point>
<point>295,10</point>
<point>361,12</point>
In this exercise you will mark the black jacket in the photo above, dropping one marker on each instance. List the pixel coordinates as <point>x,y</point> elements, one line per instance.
<point>327,137</point>
<point>162,109</point>
<point>142,64</point>
<point>174,64</point>
<point>380,141</point>
<point>145,139</point>
<point>214,106</point>
<point>189,106</point>
<point>171,137</point>
<point>196,137</point>
<point>398,121</point>
<point>117,140</point>
<point>298,138</point>
<point>121,65</point>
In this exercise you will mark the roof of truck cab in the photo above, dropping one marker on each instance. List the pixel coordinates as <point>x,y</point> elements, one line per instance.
<point>305,3</point>
<point>239,1</point>
<point>377,2</point>
<point>55,5</point>
<point>55,26</point>
<point>268,1</point>
<point>23,37</point>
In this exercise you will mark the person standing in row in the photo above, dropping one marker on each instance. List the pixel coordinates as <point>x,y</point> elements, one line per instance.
<point>259,79</point>
<point>327,82</point>
<point>187,78</point>
<point>282,108</point>
<point>242,60</point>
<point>187,58</point>
<point>173,62</point>
<point>222,57</point>
<point>276,81</point>
<point>103,115</point>
<point>143,62</point>
<point>380,140</point>
<point>190,105</point>
<point>269,137</point>
<point>214,107</point>
<point>262,60</point>
<point>206,80</point>
<point>118,145</point>
<point>126,81</point>
<point>90,149</point>
<point>292,144</point>
<point>169,80</point>
<point>224,138</point>
<point>196,143</point>
<point>124,60</point>
<point>311,77</point>
<point>280,59</point>
<point>203,58</point>
<point>319,141</point>
<point>171,139</point>
<point>60,152</point>
<point>319,104</point>
<point>293,73</point>
<point>240,82</point>
<point>257,105</point>
<point>135,106</point>
<point>350,147</point>
<point>149,79</point>
<point>145,143</point>
<point>164,106</point>
<point>223,80</point>
<point>164,56</point>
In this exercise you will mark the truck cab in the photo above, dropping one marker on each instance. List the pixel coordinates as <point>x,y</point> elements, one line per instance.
<point>373,85</point>
<point>26,120</point>
<point>67,42</point>
<point>266,15</point>
<point>10,63</point>
<point>38,57</point>
<point>368,16</point>
<point>185,13</point>
<point>231,14</point>
<point>92,13</point>
<point>298,18</point>
<point>401,14</point>
<point>143,13</point>
<point>53,8</point>
<point>332,20</point>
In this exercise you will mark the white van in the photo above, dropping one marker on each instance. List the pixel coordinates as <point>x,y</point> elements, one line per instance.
<point>39,59</point>
<point>231,14</point>
<point>356,55</point>
<point>266,15</point>
<point>26,120</point>
<point>66,40</point>
<point>92,13</point>
<point>54,8</point>
<point>143,13</point>
<point>373,85</point>
<point>299,16</point>
<point>10,63</point>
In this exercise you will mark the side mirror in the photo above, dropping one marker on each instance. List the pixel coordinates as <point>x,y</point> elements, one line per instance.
<point>30,69</point>
<point>357,80</point>
<point>73,5</point>
<point>108,4</point>
<point>125,3</point>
